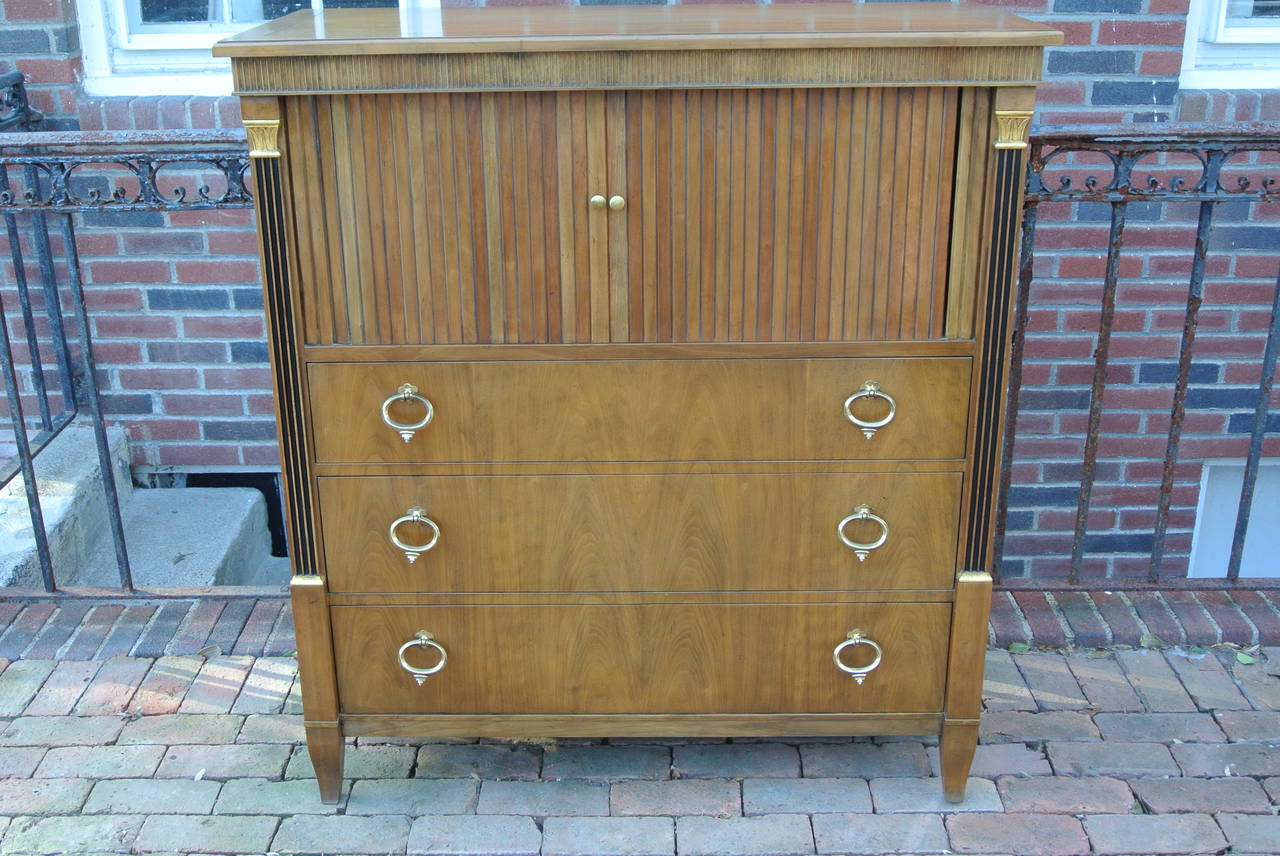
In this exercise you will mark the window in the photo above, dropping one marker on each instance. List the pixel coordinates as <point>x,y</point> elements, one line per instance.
<point>161,47</point>
<point>1220,485</point>
<point>1232,44</point>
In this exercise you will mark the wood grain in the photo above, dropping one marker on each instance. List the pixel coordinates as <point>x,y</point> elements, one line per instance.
<point>642,659</point>
<point>485,242</point>
<point>639,411</point>
<point>640,533</point>
<point>804,203</point>
<point>510,29</point>
<point>518,726</point>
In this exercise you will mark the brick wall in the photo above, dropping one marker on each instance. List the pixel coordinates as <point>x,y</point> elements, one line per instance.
<point>178,320</point>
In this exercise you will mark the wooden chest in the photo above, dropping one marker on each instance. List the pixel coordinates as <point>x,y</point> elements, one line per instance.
<point>640,369</point>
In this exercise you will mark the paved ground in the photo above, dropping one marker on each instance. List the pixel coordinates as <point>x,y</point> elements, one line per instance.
<point>1109,752</point>
<point>79,629</point>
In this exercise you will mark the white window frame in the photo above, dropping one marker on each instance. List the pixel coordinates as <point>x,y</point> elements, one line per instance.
<point>1216,55</point>
<point>1215,526</point>
<point>120,63</point>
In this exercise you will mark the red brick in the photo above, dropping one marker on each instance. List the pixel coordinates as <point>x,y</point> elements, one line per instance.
<point>1118,616</point>
<point>217,272</point>
<point>211,218</point>
<point>1083,117</point>
<point>1151,609</point>
<point>203,114</point>
<point>1025,834</point>
<point>173,112</point>
<point>188,455</point>
<point>1261,612</point>
<point>159,378</point>
<point>223,327</point>
<point>134,326</point>
<point>1075,32</point>
<point>233,243</point>
<point>1196,626</point>
<point>1127,32</point>
<point>229,113</point>
<point>191,637</point>
<point>170,430</point>
<point>1064,520</point>
<point>33,10</point>
<point>255,379</point>
<point>132,270</point>
<point>1040,616</point>
<point>1006,620</point>
<point>1160,63</point>
<point>52,70</point>
<point>1227,615</point>
<point>93,631</point>
<point>203,405</point>
<point>1086,626</point>
<point>117,353</point>
<point>98,299</point>
<point>266,456</point>
<point>1060,92</point>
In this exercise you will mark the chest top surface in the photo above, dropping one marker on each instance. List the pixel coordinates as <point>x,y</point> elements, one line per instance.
<point>539,29</point>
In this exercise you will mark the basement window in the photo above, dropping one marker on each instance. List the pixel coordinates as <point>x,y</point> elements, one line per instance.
<point>1220,485</point>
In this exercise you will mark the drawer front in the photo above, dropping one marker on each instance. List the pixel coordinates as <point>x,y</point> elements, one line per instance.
<point>641,410</point>
<point>642,658</point>
<point>687,532</point>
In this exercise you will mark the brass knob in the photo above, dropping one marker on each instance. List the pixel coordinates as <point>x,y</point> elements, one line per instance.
<point>617,203</point>
<point>860,549</point>
<point>408,392</point>
<point>425,639</point>
<point>853,639</point>
<point>413,551</point>
<point>596,201</point>
<point>870,389</point>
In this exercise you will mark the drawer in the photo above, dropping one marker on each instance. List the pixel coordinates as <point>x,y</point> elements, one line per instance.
<point>679,532</point>
<point>642,658</point>
<point>639,410</point>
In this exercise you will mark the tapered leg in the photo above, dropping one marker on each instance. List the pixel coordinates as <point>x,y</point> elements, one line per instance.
<point>326,747</point>
<point>319,682</point>
<point>966,662</point>
<point>959,742</point>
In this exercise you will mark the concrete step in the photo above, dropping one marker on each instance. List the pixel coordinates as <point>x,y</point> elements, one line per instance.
<point>69,482</point>
<point>175,536</point>
<point>188,536</point>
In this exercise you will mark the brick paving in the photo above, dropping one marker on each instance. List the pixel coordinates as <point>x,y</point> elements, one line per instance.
<point>1119,751</point>
<point>256,627</point>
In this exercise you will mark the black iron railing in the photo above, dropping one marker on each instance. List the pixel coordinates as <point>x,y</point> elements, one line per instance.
<point>1207,166</point>
<point>50,178</point>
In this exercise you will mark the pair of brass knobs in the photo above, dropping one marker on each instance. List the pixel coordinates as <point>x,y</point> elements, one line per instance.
<point>617,203</point>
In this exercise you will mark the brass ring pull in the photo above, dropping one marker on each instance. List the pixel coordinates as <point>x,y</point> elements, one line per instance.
<point>407,392</point>
<point>869,389</point>
<point>858,673</point>
<point>413,551</point>
<point>861,550</point>
<point>422,639</point>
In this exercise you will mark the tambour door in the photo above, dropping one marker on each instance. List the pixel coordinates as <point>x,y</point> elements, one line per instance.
<point>781,214</point>
<point>447,217</point>
<point>701,215</point>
